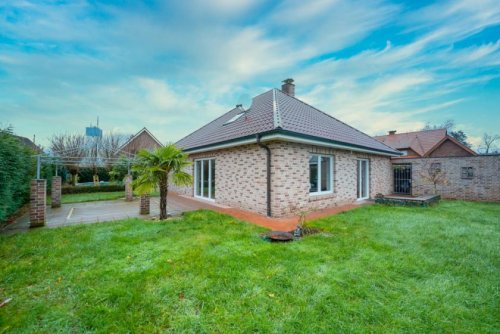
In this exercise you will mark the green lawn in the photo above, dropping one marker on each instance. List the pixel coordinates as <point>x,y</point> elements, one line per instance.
<point>91,197</point>
<point>376,270</point>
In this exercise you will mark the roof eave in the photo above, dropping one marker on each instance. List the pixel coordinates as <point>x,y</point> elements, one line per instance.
<point>289,137</point>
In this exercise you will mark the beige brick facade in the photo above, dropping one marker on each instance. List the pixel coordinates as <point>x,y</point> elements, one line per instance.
<point>240,177</point>
<point>290,175</point>
<point>483,186</point>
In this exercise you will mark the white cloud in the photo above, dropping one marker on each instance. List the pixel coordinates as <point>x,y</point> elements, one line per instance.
<point>176,66</point>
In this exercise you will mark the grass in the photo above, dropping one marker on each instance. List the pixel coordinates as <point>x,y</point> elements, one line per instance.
<point>376,270</point>
<point>91,197</point>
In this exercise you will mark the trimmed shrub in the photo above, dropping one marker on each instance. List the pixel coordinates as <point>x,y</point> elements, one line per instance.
<point>92,189</point>
<point>16,169</point>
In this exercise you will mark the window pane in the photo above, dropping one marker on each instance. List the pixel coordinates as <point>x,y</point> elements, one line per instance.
<point>212,195</point>
<point>358,184</point>
<point>325,174</point>
<point>313,174</point>
<point>205,178</point>
<point>198,177</point>
<point>364,178</point>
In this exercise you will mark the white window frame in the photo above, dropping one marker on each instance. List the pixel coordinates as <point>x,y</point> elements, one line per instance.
<point>196,176</point>
<point>360,187</point>
<point>319,192</point>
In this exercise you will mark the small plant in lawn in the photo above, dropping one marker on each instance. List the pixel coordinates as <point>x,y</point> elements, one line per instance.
<point>155,168</point>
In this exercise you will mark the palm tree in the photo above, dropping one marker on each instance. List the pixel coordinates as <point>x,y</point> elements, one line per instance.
<point>155,168</point>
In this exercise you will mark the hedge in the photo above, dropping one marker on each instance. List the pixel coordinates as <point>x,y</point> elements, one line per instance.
<point>16,169</point>
<point>92,189</point>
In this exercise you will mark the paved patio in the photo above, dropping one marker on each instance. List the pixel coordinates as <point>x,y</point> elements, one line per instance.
<point>101,211</point>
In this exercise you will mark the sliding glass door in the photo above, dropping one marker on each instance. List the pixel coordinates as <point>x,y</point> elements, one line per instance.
<point>204,178</point>
<point>363,179</point>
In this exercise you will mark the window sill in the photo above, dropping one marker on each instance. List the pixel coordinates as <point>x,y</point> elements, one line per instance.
<point>320,196</point>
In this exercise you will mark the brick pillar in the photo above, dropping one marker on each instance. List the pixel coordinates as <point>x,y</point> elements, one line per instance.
<point>129,193</point>
<point>56,191</point>
<point>38,198</point>
<point>145,204</point>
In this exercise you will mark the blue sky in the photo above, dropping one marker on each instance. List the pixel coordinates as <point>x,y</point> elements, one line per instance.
<point>173,66</point>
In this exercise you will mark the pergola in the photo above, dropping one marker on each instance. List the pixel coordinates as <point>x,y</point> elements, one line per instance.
<point>38,186</point>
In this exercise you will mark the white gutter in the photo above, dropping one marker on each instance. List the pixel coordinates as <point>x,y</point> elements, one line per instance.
<point>290,139</point>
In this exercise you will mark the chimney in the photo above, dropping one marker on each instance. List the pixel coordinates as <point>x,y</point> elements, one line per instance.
<point>392,132</point>
<point>288,87</point>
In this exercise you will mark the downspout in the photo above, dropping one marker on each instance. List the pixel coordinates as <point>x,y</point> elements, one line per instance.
<point>268,167</point>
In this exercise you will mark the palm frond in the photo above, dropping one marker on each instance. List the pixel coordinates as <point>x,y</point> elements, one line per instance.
<point>154,167</point>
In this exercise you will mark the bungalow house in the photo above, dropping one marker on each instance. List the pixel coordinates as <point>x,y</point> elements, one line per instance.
<point>282,155</point>
<point>143,139</point>
<point>29,143</point>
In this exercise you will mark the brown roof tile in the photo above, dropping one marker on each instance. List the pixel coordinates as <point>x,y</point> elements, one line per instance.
<point>419,141</point>
<point>277,111</point>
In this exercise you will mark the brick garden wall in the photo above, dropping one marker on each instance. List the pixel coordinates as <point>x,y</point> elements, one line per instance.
<point>38,201</point>
<point>240,175</point>
<point>483,186</point>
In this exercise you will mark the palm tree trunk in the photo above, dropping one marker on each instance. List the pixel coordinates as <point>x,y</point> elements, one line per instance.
<point>163,199</point>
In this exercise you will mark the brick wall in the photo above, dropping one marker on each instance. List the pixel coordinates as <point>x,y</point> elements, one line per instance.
<point>483,186</point>
<point>38,198</point>
<point>240,175</point>
<point>56,191</point>
<point>290,190</point>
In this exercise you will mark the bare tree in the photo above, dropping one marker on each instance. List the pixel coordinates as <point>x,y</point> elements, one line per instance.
<point>488,142</point>
<point>448,125</point>
<point>432,172</point>
<point>71,149</point>
<point>109,146</point>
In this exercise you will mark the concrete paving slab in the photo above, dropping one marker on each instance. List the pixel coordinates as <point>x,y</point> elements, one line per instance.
<point>102,211</point>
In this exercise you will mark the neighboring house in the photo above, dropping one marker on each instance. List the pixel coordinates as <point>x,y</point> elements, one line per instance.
<point>434,161</point>
<point>426,144</point>
<point>29,143</point>
<point>282,155</point>
<point>141,140</point>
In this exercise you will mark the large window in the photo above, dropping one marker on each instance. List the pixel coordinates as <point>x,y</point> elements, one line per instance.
<point>204,178</point>
<point>320,174</point>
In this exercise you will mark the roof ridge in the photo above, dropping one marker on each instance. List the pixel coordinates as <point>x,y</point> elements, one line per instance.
<point>391,148</point>
<point>276,112</point>
<point>408,132</point>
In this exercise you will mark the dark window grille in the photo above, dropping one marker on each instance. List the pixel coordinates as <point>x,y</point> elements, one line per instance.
<point>467,172</point>
<point>402,179</point>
